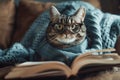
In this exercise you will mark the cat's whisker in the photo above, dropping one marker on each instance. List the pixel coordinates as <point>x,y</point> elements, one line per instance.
<point>53,37</point>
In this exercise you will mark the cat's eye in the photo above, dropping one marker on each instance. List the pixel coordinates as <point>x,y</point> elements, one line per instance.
<point>75,28</point>
<point>58,27</point>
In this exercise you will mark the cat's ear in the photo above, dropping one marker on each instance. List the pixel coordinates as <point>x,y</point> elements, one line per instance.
<point>80,14</point>
<point>54,13</point>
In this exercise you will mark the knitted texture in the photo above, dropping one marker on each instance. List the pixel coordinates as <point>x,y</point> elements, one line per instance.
<point>110,28</point>
<point>102,32</point>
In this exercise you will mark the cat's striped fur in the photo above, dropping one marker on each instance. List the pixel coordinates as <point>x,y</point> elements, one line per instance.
<point>66,31</point>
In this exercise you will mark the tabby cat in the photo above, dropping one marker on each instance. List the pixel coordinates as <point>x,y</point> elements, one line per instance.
<point>66,31</point>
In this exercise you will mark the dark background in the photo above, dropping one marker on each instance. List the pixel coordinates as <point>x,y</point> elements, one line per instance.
<point>112,6</point>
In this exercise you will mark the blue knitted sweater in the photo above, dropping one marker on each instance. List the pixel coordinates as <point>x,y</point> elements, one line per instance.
<point>102,32</point>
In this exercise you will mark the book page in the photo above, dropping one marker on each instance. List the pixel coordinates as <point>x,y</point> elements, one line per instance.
<point>27,71</point>
<point>89,59</point>
<point>93,62</point>
<point>86,54</point>
<point>26,64</point>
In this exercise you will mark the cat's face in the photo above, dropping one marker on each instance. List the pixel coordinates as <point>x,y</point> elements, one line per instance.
<point>65,31</point>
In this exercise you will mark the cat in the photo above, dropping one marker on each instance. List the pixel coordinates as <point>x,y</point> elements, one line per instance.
<point>66,31</point>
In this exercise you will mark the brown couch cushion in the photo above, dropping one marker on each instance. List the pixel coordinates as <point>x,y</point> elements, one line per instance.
<point>7,10</point>
<point>28,10</point>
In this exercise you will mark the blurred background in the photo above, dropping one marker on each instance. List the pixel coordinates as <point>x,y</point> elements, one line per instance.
<point>112,6</point>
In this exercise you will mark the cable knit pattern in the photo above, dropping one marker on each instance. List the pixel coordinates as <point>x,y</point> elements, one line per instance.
<point>102,32</point>
<point>110,28</point>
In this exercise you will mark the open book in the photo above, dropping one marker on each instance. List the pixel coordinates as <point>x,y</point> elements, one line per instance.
<point>84,63</point>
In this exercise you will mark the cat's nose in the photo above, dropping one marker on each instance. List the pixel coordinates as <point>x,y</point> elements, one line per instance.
<point>66,35</point>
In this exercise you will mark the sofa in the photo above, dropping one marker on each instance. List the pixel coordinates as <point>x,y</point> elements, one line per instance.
<point>12,26</point>
<point>16,18</point>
